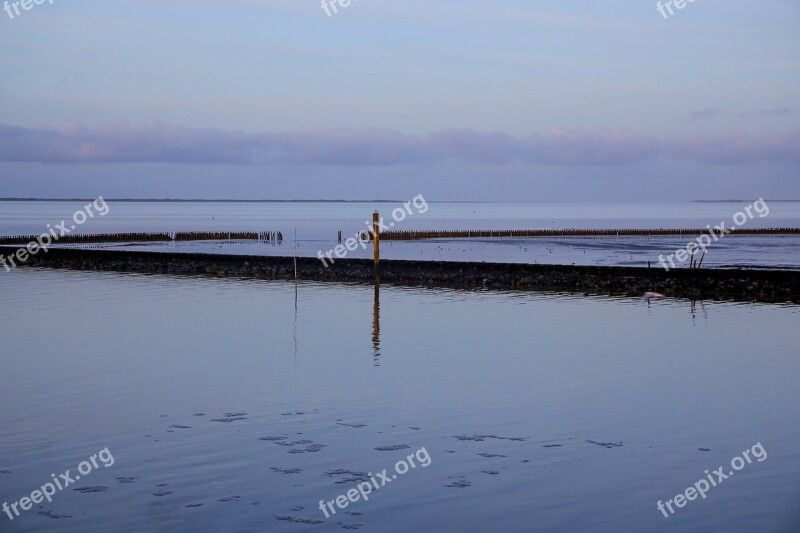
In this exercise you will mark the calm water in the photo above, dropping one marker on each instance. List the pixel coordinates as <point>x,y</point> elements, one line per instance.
<point>96,360</point>
<point>317,225</point>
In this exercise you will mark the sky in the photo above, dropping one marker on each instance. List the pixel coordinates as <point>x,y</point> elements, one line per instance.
<point>509,100</point>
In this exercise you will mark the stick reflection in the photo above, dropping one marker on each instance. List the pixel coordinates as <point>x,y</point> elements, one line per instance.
<point>376,324</point>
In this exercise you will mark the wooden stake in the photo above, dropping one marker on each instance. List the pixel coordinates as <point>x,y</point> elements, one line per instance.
<point>376,246</point>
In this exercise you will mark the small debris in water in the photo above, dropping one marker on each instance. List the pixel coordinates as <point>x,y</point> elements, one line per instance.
<point>350,476</point>
<point>51,514</point>
<point>194,505</point>
<point>350,525</point>
<point>459,484</point>
<point>124,479</point>
<point>297,520</point>
<point>518,439</point>
<point>352,425</point>
<point>162,493</point>
<point>392,448</point>
<point>606,444</point>
<point>286,470</point>
<point>481,438</point>
<point>178,426</point>
<point>490,455</point>
<point>229,499</point>
<point>704,449</point>
<point>467,437</point>
<point>295,443</point>
<point>311,448</point>
<point>89,490</point>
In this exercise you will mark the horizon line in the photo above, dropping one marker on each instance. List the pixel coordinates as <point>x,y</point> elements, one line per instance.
<point>320,200</point>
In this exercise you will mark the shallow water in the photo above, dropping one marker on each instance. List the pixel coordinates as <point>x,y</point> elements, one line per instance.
<point>181,377</point>
<point>317,225</point>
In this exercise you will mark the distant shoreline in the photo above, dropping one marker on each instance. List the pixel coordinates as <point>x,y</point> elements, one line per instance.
<point>320,201</point>
<point>738,201</point>
<point>197,201</point>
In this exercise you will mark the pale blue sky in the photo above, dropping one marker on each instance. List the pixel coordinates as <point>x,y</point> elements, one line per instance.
<point>391,97</point>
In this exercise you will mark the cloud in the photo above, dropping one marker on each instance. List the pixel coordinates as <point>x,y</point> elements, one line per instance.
<point>168,143</point>
<point>737,149</point>
<point>707,113</point>
<point>713,112</point>
<point>781,112</point>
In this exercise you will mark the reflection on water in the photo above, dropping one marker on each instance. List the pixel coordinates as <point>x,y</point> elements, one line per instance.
<point>376,323</point>
<point>238,405</point>
<point>693,304</point>
<point>294,324</point>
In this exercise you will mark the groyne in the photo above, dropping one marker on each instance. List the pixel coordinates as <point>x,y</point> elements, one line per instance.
<point>90,238</point>
<point>570,232</point>
<point>711,284</point>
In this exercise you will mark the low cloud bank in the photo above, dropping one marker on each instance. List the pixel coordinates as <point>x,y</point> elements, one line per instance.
<point>168,143</point>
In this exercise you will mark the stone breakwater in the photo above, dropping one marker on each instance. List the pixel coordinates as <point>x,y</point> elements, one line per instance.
<point>719,284</point>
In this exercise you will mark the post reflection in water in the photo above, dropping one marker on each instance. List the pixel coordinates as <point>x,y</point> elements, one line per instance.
<point>376,324</point>
<point>693,310</point>
<point>294,325</point>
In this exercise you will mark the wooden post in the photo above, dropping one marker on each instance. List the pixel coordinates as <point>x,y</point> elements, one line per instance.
<point>376,239</point>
